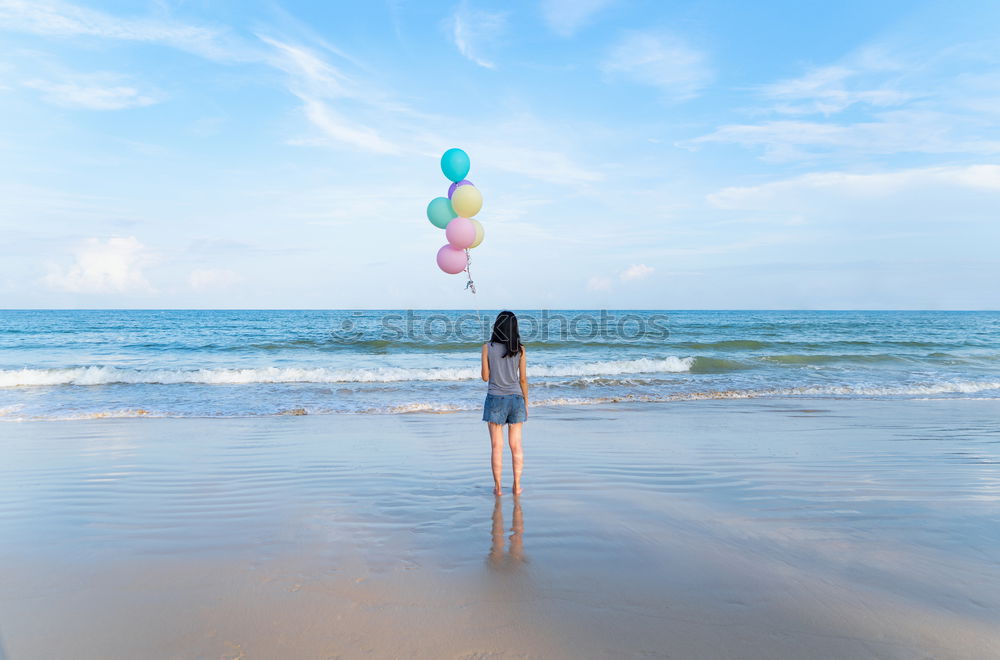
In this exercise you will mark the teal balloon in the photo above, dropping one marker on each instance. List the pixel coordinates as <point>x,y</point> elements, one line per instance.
<point>439,212</point>
<point>455,164</point>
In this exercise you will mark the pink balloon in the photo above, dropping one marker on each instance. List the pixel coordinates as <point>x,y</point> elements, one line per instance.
<point>460,232</point>
<point>451,259</point>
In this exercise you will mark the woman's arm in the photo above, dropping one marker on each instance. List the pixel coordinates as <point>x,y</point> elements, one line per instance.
<point>486,362</point>
<point>523,370</point>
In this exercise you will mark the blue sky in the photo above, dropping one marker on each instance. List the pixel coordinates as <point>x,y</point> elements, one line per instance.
<point>670,155</point>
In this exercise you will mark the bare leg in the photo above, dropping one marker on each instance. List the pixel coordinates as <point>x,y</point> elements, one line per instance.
<point>496,441</point>
<point>516,454</point>
<point>517,538</point>
<point>496,547</point>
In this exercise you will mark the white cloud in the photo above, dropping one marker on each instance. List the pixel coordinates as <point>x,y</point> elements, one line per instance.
<point>659,60</point>
<point>636,272</point>
<point>55,18</point>
<point>894,101</point>
<point>339,128</point>
<point>846,187</point>
<point>310,71</point>
<point>867,78</point>
<point>202,279</point>
<point>476,32</point>
<point>566,17</point>
<point>315,82</point>
<point>528,146</point>
<point>99,91</point>
<point>927,221</point>
<point>889,133</point>
<point>111,266</point>
<point>819,92</point>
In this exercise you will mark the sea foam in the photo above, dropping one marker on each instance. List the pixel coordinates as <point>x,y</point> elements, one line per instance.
<point>102,375</point>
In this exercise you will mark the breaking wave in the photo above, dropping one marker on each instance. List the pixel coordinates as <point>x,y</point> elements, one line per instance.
<point>98,375</point>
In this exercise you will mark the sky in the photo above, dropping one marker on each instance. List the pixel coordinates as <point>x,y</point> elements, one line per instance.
<point>643,155</point>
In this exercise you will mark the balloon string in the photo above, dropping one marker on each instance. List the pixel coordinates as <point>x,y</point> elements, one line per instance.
<point>470,285</point>
<point>468,263</point>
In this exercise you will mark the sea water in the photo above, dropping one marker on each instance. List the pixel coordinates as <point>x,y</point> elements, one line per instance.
<point>68,364</point>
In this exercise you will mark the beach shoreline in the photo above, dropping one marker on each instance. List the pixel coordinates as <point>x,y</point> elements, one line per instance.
<point>766,528</point>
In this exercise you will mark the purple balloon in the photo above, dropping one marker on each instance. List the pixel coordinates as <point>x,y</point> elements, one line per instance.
<point>452,187</point>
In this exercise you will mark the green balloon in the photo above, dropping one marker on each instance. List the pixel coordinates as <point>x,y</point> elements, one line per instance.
<point>455,164</point>
<point>439,212</point>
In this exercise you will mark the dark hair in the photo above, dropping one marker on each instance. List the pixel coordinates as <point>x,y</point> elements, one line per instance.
<point>505,332</point>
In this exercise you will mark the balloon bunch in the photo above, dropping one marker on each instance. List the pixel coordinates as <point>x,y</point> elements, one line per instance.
<point>454,214</point>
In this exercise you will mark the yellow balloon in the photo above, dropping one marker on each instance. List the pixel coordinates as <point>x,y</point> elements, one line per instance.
<point>480,233</point>
<point>466,201</point>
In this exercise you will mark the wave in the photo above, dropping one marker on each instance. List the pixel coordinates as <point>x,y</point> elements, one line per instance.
<point>707,365</point>
<point>909,390</point>
<point>361,346</point>
<point>9,415</point>
<point>725,345</point>
<point>611,370</point>
<point>819,358</point>
<point>98,375</point>
<point>947,387</point>
<point>917,391</point>
<point>753,345</point>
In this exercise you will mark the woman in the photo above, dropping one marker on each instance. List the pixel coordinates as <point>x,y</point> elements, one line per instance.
<point>507,395</point>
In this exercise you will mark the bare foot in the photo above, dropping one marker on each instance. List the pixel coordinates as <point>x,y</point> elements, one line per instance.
<point>497,490</point>
<point>517,490</point>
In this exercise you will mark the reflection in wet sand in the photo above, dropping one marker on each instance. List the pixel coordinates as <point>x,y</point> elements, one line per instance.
<point>513,557</point>
<point>695,530</point>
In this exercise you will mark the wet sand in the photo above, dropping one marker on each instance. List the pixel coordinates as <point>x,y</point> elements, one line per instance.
<point>707,529</point>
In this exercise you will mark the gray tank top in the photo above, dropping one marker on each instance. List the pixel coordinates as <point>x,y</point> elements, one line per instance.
<point>503,371</point>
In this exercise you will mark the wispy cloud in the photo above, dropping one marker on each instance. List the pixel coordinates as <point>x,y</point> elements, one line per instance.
<point>339,98</point>
<point>659,60</point>
<point>928,221</point>
<point>62,19</point>
<point>521,144</point>
<point>476,32</point>
<point>97,91</point>
<point>876,102</point>
<point>566,17</point>
<point>893,132</point>
<point>114,265</point>
<point>339,128</point>
<point>317,82</point>
<point>309,70</point>
<point>869,77</point>
<point>332,98</point>
<point>847,186</point>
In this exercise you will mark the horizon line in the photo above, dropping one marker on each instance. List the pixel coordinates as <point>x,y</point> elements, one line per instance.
<point>474,309</point>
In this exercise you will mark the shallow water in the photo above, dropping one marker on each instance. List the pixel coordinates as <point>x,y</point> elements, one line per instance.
<point>772,528</point>
<point>101,363</point>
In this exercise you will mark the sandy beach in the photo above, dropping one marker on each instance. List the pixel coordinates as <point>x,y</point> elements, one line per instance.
<point>272,272</point>
<point>706,529</point>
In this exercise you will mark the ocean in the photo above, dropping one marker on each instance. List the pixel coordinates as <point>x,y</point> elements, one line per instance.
<point>74,364</point>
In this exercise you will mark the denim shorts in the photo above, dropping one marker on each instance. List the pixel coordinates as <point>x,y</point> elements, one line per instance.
<point>504,409</point>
